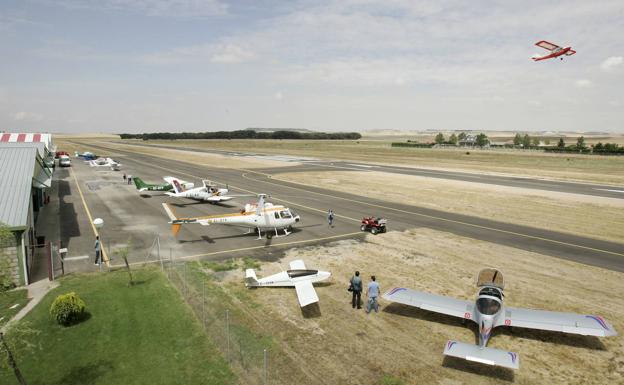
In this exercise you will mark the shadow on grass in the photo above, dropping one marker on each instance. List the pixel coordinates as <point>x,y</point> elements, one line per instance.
<point>84,317</point>
<point>559,338</point>
<point>496,372</point>
<point>312,310</point>
<point>85,374</point>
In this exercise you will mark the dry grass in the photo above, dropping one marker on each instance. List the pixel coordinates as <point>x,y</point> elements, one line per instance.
<point>595,217</point>
<point>339,345</point>
<point>597,169</point>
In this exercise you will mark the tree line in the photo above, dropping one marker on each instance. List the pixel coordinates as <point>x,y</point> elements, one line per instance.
<point>245,134</point>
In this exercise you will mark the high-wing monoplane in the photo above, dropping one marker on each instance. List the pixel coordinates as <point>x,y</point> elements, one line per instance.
<point>208,192</point>
<point>143,186</point>
<point>555,51</point>
<point>105,162</point>
<point>262,216</point>
<point>298,276</point>
<point>488,311</point>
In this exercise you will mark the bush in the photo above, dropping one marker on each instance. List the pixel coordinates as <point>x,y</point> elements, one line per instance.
<point>67,309</point>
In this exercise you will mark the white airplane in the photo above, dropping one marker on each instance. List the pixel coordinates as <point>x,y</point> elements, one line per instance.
<point>105,162</point>
<point>489,312</point>
<point>207,192</point>
<point>262,216</point>
<point>298,276</point>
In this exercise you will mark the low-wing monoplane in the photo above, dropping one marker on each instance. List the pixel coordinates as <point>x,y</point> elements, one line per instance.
<point>208,192</point>
<point>555,51</point>
<point>105,162</point>
<point>298,276</point>
<point>143,186</point>
<point>488,311</point>
<point>262,216</point>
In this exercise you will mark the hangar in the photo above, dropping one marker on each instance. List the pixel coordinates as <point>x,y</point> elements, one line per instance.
<point>24,178</point>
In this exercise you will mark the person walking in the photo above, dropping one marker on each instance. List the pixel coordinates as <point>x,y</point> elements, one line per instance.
<point>124,176</point>
<point>330,217</point>
<point>129,179</point>
<point>372,293</point>
<point>356,290</point>
<point>98,250</point>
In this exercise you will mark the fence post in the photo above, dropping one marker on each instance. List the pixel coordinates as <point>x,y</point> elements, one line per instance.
<point>185,284</point>
<point>162,266</point>
<point>265,367</point>
<point>204,302</point>
<point>227,333</point>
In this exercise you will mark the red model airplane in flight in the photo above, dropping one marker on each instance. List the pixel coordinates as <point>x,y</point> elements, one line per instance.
<point>555,51</point>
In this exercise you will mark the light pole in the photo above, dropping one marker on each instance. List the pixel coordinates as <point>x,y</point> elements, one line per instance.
<point>99,224</point>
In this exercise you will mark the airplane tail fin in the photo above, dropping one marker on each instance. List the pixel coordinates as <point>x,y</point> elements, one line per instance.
<point>488,356</point>
<point>250,278</point>
<point>140,185</point>
<point>176,186</point>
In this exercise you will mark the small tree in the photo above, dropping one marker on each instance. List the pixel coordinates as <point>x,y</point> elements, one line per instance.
<point>561,143</point>
<point>462,136</point>
<point>439,139</point>
<point>482,140</point>
<point>517,140</point>
<point>6,279</point>
<point>453,139</point>
<point>123,253</point>
<point>526,141</point>
<point>536,141</point>
<point>580,143</point>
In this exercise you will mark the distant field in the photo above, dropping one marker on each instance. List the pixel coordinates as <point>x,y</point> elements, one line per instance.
<point>142,334</point>
<point>597,169</point>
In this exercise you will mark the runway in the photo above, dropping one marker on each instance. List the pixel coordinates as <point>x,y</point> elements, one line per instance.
<point>312,164</point>
<point>312,204</point>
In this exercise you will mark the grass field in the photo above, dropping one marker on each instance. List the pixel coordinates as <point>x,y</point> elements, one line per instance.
<point>10,298</point>
<point>143,334</point>
<point>601,169</point>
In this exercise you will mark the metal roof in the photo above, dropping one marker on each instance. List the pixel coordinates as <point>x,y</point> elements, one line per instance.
<point>40,146</point>
<point>17,166</point>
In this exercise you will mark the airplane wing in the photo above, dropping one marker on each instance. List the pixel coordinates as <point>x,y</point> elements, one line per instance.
<point>297,265</point>
<point>589,325</point>
<point>305,293</point>
<point>432,302</point>
<point>570,52</point>
<point>546,45</point>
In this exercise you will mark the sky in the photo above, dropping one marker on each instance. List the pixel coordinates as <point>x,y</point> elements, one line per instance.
<point>125,66</point>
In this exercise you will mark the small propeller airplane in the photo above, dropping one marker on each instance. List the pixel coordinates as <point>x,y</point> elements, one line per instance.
<point>555,51</point>
<point>298,276</point>
<point>262,216</point>
<point>207,192</point>
<point>142,186</point>
<point>85,155</point>
<point>105,162</point>
<point>489,312</point>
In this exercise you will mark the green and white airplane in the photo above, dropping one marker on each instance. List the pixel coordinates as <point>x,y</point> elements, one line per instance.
<point>142,186</point>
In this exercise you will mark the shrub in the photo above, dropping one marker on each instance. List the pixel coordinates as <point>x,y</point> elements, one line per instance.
<point>67,309</point>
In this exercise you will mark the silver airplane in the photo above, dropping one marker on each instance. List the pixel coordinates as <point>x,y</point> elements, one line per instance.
<point>298,276</point>
<point>488,311</point>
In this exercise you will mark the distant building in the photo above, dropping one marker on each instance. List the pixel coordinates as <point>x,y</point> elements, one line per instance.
<point>468,141</point>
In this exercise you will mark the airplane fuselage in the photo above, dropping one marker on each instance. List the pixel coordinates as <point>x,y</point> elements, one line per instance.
<point>290,277</point>
<point>555,53</point>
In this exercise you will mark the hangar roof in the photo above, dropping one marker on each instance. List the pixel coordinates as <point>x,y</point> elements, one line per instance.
<point>17,167</point>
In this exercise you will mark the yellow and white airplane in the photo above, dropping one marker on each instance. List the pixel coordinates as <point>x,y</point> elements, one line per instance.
<point>262,216</point>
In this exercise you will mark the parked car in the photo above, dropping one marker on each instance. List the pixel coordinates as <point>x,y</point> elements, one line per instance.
<point>64,161</point>
<point>59,153</point>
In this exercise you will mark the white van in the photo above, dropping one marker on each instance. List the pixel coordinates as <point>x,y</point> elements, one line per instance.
<point>64,161</point>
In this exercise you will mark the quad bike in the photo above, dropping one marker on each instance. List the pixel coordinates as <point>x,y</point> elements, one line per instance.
<point>374,225</point>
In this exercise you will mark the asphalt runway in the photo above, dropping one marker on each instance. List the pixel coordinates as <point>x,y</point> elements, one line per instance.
<point>311,164</point>
<point>312,203</point>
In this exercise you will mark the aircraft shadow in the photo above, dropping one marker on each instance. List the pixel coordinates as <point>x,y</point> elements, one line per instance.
<point>413,312</point>
<point>313,310</point>
<point>546,336</point>
<point>496,372</point>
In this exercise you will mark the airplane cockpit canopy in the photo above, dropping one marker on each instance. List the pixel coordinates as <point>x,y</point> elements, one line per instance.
<point>488,306</point>
<point>285,214</point>
<point>490,277</point>
<point>491,291</point>
<point>300,273</point>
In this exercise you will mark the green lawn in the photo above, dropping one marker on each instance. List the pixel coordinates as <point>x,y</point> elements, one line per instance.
<point>143,334</point>
<point>7,300</point>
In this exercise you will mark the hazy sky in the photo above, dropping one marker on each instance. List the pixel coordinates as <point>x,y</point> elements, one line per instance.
<point>156,65</point>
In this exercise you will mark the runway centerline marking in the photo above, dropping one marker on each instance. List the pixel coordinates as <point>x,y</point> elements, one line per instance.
<point>84,203</point>
<point>606,189</point>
